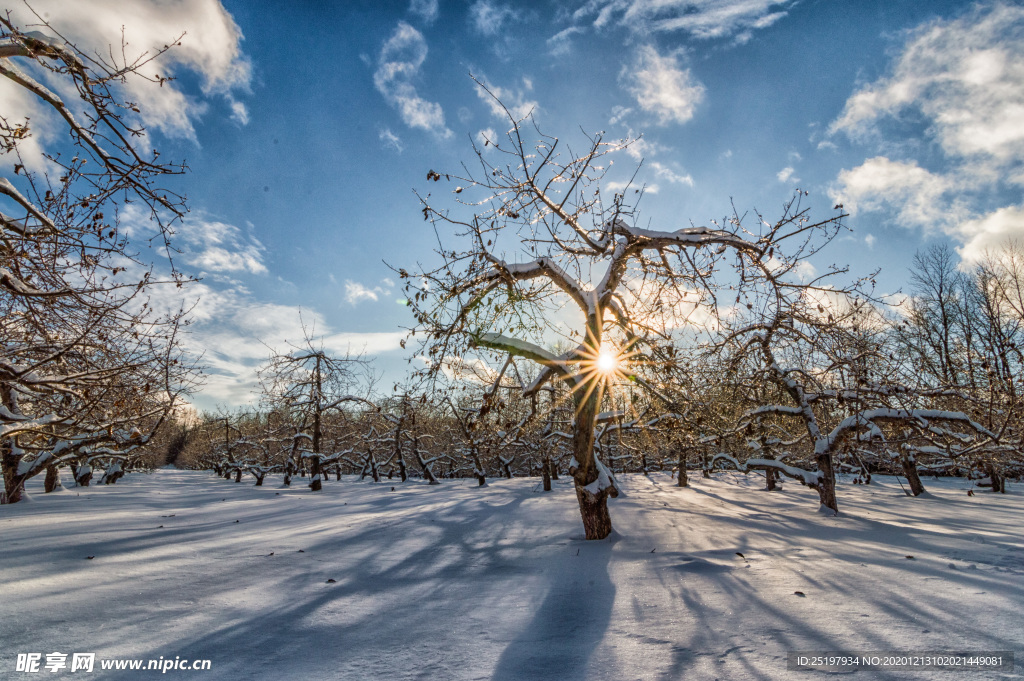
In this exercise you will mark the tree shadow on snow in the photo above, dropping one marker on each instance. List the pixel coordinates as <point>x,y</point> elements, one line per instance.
<point>569,624</point>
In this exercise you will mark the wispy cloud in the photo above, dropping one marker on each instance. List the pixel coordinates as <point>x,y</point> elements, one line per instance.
<point>426,10</point>
<point>356,293</point>
<point>561,43</point>
<point>704,19</point>
<point>489,18</point>
<point>515,99</point>
<point>399,63</point>
<point>391,140</point>
<point>787,174</point>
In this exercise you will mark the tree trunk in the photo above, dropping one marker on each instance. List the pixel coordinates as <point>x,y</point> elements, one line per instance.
<point>827,483</point>
<point>597,524</point>
<point>52,479</point>
<point>546,473</point>
<point>14,484</point>
<point>83,476</point>
<point>478,470</point>
<point>770,479</point>
<point>259,478</point>
<point>289,469</point>
<point>998,481</point>
<point>314,465</point>
<point>910,471</point>
<point>682,480</point>
<point>238,475</point>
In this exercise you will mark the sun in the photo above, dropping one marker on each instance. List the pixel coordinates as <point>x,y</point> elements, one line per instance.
<point>607,361</point>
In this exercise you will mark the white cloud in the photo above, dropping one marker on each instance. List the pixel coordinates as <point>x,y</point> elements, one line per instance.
<point>209,245</point>
<point>369,343</point>
<point>669,175</point>
<point>239,112</point>
<point>965,76</point>
<point>427,10</point>
<point>399,63</point>
<point>661,87</point>
<point>990,231</point>
<point>515,100</point>
<point>870,240</point>
<point>786,175</point>
<point>641,148</point>
<point>214,246</point>
<point>488,17</point>
<point>235,333</point>
<point>391,140</point>
<point>210,48</point>
<point>917,195</point>
<point>618,114</point>
<point>560,44</point>
<point>486,138</point>
<point>356,293</point>
<point>700,18</point>
<point>805,270</point>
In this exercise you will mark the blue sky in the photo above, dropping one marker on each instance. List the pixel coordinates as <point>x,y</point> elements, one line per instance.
<point>307,125</point>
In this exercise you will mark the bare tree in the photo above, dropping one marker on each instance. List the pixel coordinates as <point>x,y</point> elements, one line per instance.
<point>88,370</point>
<point>307,383</point>
<point>542,254</point>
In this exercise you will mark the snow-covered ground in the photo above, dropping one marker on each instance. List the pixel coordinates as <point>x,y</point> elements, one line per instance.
<point>455,582</point>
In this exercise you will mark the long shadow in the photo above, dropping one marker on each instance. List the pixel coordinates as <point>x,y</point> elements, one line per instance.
<point>569,624</point>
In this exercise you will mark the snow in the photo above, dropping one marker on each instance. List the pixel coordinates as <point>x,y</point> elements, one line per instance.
<point>454,581</point>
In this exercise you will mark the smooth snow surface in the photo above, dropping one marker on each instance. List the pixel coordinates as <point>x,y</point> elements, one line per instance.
<point>454,581</point>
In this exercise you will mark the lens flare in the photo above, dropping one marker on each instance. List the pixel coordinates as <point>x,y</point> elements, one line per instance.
<point>607,361</point>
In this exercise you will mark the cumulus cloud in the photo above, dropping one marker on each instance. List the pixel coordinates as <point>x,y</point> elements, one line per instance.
<point>210,48</point>
<point>990,231</point>
<point>399,63</point>
<point>964,78</point>
<point>705,19</point>
<point>661,86</point>
<point>917,195</point>
<point>641,148</point>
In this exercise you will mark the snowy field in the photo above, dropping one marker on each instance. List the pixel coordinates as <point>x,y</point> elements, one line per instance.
<point>456,582</point>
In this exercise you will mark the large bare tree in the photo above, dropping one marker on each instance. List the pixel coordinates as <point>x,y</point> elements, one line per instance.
<point>533,252</point>
<point>87,369</point>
